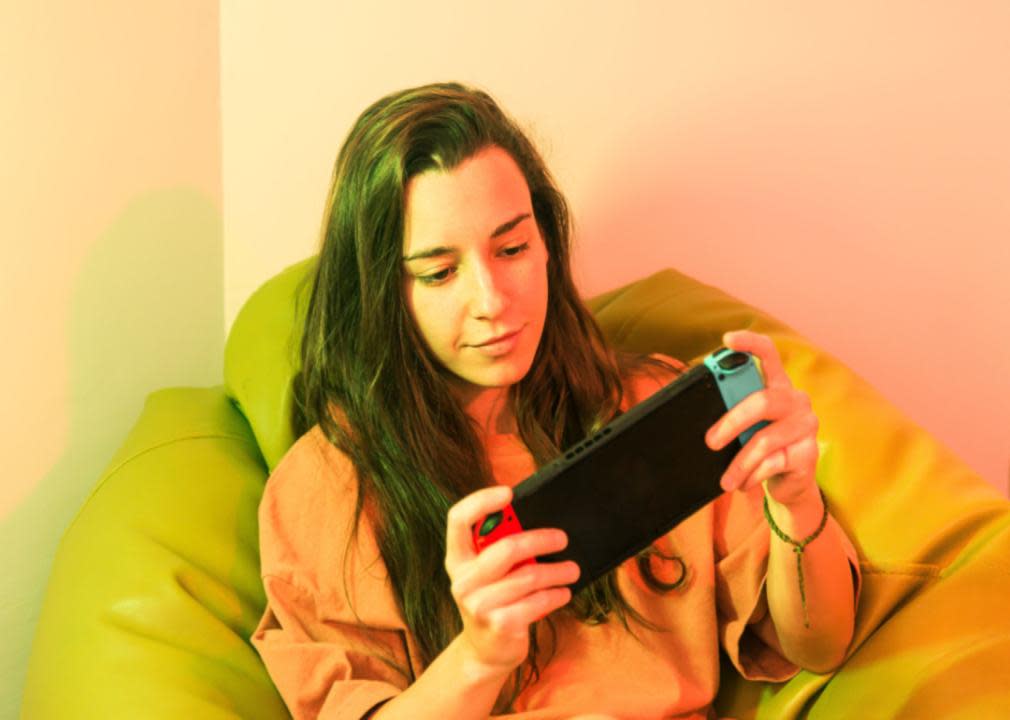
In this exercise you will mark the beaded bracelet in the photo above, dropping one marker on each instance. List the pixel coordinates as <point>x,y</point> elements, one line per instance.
<point>799,547</point>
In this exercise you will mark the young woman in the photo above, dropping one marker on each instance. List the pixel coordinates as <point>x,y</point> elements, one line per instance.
<point>447,355</point>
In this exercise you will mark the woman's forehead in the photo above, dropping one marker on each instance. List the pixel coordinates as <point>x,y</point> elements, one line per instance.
<point>471,200</point>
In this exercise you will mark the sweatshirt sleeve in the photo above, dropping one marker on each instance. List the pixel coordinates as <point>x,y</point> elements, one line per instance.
<point>741,545</point>
<point>322,670</point>
<point>746,631</point>
<point>330,658</point>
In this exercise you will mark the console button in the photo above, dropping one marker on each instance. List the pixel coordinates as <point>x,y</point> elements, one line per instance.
<point>732,361</point>
<point>490,523</point>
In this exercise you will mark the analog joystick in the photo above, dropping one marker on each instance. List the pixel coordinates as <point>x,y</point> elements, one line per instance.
<point>494,527</point>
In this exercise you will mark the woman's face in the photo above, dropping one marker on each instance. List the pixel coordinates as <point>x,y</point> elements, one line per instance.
<point>476,269</point>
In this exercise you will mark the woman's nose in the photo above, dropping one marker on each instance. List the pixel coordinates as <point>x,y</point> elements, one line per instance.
<point>487,298</point>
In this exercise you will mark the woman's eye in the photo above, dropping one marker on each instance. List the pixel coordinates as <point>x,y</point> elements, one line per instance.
<point>435,278</point>
<point>443,275</point>
<point>517,248</point>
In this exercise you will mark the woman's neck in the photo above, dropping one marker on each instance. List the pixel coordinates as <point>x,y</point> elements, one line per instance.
<point>491,408</point>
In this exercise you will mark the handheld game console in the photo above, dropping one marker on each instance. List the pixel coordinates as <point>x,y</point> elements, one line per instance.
<point>637,478</point>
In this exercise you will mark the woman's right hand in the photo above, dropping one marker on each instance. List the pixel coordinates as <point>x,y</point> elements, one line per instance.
<point>497,600</point>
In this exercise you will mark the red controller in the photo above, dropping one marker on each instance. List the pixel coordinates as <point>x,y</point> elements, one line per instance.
<point>496,526</point>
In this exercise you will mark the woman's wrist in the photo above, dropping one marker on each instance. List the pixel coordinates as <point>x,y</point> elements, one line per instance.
<point>474,671</point>
<point>799,517</point>
<point>456,684</point>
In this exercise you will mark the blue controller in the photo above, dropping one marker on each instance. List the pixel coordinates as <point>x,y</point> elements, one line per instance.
<point>736,376</point>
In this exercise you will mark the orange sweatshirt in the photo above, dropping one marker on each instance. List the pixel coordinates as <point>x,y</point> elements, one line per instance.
<point>326,659</point>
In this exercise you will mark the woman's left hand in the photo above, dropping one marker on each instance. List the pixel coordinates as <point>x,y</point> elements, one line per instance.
<point>782,455</point>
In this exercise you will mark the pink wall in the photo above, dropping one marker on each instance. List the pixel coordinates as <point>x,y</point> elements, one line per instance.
<point>858,188</point>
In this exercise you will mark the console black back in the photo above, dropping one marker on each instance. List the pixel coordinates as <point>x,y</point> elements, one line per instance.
<point>648,470</point>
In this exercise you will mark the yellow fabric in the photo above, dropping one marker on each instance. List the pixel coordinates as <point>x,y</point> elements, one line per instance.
<point>155,588</point>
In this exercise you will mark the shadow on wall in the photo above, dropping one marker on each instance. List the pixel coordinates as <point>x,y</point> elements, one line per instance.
<point>147,312</point>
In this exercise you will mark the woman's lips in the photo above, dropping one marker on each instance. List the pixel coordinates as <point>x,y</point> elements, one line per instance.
<point>499,347</point>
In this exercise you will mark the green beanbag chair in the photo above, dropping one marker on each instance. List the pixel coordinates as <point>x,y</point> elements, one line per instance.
<point>155,589</point>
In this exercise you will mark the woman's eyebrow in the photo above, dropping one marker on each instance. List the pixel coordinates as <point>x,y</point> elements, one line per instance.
<point>445,250</point>
<point>505,227</point>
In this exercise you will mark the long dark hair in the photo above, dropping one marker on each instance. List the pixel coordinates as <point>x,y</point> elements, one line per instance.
<point>377,392</point>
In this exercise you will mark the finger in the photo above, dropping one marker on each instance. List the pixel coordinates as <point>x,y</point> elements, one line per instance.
<point>764,446</point>
<point>518,584</point>
<point>770,404</point>
<point>518,616</point>
<point>500,557</point>
<point>763,347</point>
<point>791,480</point>
<point>463,515</point>
<point>767,443</point>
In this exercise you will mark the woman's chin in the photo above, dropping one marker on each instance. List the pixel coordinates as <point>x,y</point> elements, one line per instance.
<point>498,377</point>
<point>500,373</point>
